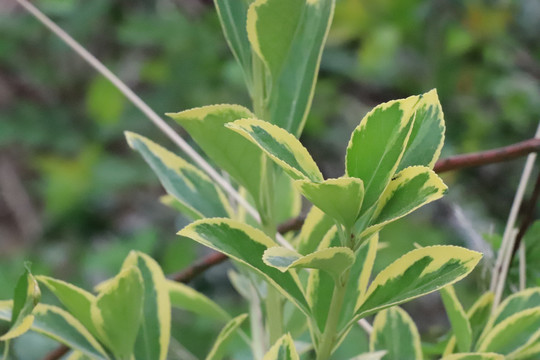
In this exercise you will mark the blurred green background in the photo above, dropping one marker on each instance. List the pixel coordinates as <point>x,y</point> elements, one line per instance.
<point>74,199</point>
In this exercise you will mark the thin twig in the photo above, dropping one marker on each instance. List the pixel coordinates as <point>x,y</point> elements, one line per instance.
<point>488,157</point>
<point>145,109</point>
<point>505,253</point>
<point>529,216</point>
<point>57,353</point>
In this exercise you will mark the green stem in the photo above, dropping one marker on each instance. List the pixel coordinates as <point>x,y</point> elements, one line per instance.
<point>329,335</point>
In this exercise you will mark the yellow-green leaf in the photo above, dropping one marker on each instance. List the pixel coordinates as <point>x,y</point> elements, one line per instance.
<point>188,185</point>
<point>315,227</point>
<point>417,273</point>
<point>458,319</point>
<point>427,135</point>
<point>474,356</point>
<point>186,298</point>
<point>216,353</point>
<point>283,349</point>
<point>288,37</point>
<point>340,198</point>
<point>117,312</point>
<point>377,145</point>
<point>242,160</point>
<point>281,146</point>
<point>334,260</point>
<point>395,332</point>
<point>26,297</point>
<point>61,326</point>
<point>513,334</point>
<point>247,245</point>
<point>410,189</point>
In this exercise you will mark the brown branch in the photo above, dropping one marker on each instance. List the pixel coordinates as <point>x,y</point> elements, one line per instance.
<point>488,157</point>
<point>57,353</point>
<point>528,218</point>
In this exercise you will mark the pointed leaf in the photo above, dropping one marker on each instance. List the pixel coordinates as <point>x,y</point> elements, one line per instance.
<point>417,273</point>
<point>189,186</point>
<point>427,135</point>
<point>334,261</point>
<point>458,319</point>
<point>233,17</point>
<point>117,312</point>
<point>315,227</point>
<point>186,298</point>
<point>247,245</point>
<point>283,349</point>
<point>340,198</point>
<point>513,334</point>
<point>281,146</point>
<point>155,331</point>
<point>290,46</point>
<point>474,356</point>
<point>410,189</point>
<point>377,145</point>
<point>76,300</point>
<point>61,326</point>
<point>395,332</point>
<point>216,353</point>
<point>230,151</point>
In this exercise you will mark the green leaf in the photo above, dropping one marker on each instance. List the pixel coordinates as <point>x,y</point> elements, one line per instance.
<point>315,226</point>
<point>335,261</point>
<point>427,135</point>
<point>189,186</point>
<point>513,334</point>
<point>377,145</point>
<point>104,102</point>
<point>26,297</point>
<point>242,160</point>
<point>287,200</point>
<point>186,298</point>
<point>76,300</point>
<point>155,331</point>
<point>247,245</point>
<point>411,188</point>
<point>417,273</point>
<point>283,349</point>
<point>233,17</point>
<point>117,312</point>
<point>340,198</point>
<point>216,353</point>
<point>291,48</point>
<point>395,332</point>
<point>281,146</point>
<point>61,326</point>
<point>458,319</point>
<point>474,356</point>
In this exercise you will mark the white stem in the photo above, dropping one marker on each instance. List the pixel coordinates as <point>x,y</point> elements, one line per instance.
<point>505,253</point>
<point>145,109</point>
<point>364,324</point>
<point>522,266</point>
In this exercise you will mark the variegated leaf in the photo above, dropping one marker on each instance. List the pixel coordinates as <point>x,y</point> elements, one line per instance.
<point>26,297</point>
<point>315,227</point>
<point>411,188</point>
<point>514,333</point>
<point>334,260</point>
<point>340,198</point>
<point>458,319</point>
<point>247,245</point>
<point>117,312</point>
<point>189,186</point>
<point>377,145</point>
<point>288,37</point>
<point>218,349</point>
<point>417,273</point>
<point>395,332</point>
<point>281,146</point>
<point>61,326</point>
<point>427,135</point>
<point>186,298</point>
<point>283,349</point>
<point>242,160</point>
